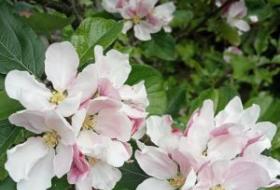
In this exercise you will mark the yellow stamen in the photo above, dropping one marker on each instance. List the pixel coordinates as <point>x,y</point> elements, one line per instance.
<point>51,138</point>
<point>218,187</point>
<point>92,161</point>
<point>90,122</point>
<point>177,181</point>
<point>136,19</point>
<point>57,97</point>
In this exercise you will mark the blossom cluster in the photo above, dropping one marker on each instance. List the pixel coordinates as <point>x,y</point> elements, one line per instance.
<point>81,122</point>
<point>222,152</point>
<point>143,15</point>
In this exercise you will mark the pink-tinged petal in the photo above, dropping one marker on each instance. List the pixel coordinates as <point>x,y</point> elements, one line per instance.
<point>137,124</point>
<point>79,168</point>
<point>159,127</point>
<point>62,160</point>
<point>113,66</point>
<point>33,121</point>
<point>105,88</point>
<point>246,176</point>
<point>69,106</point>
<point>22,86</point>
<point>153,183</point>
<point>127,26</point>
<point>133,112</point>
<point>85,83</point>
<point>61,64</point>
<point>256,146</point>
<point>250,115</point>
<point>104,176</point>
<point>59,124</point>
<point>231,113</point>
<point>116,153</point>
<point>156,163</point>
<point>92,144</point>
<point>144,7</point>
<point>84,184</point>
<point>78,120</point>
<point>271,165</point>
<point>185,162</point>
<point>41,175</point>
<point>143,31</point>
<point>164,13</point>
<point>237,9</point>
<point>268,129</point>
<point>114,124</point>
<point>241,25</point>
<point>190,180</point>
<point>22,158</point>
<point>225,147</point>
<point>202,125</point>
<point>100,103</point>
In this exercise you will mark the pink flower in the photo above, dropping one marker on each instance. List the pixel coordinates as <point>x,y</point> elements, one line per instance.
<point>142,15</point>
<point>68,89</point>
<point>233,175</point>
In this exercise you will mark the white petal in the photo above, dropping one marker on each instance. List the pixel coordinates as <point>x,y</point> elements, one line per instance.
<point>113,66</point>
<point>114,124</point>
<point>154,184</point>
<point>127,26</point>
<point>62,127</point>
<point>69,106</point>
<point>117,154</point>
<point>158,127</point>
<point>41,175</point>
<point>156,163</point>
<point>266,128</point>
<point>78,120</point>
<point>33,121</point>
<point>165,12</point>
<point>143,32</point>
<point>104,176</point>
<point>22,158</point>
<point>85,84</point>
<point>84,184</point>
<point>190,180</point>
<point>61,64</point>
<point>63,160</point>
<point>22,86</point>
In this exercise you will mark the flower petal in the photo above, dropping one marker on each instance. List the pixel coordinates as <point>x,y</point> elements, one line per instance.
<point>114,124</point>
<point>153,183</point>
<point>69,106</point>
<point>41,175</point>
<point>85,83</point>
<point>56,122</point>
<point>104,176</point>
<point>61,64</point>
<point>156,163</point>
<point>22,86</point>
<point>113,66</point>
<point>62,160</point>
<point>116,153</point>
<point>33,121</point>
<point>22,158</point>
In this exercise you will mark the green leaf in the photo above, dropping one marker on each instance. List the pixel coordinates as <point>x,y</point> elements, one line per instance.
<point>8,184</point>
<point>20,48</point>
<point>228,33</point>
<point>132,176</point>
<point>9,135</point>
<point>94,31</point>
<point>7,105</point>
<point>182,18</point>
<point>261,42</point>
<point>44,23</point>
<point>176,99</point>
<point>161,46</point>
<point>60,184</point>
<point>154,85</point>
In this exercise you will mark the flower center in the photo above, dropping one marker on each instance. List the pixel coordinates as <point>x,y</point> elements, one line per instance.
<point>218,187</point>
<point>51,138</point>
<point>90,122</point>
<point>91,160</point>
<point>57,97</point>
<point>136,19</point>
<point>177,181</point>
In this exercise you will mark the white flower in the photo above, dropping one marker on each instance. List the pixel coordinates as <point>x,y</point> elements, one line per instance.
<point>35,162</point>
<point>142,15</point>
<point>68,90</point>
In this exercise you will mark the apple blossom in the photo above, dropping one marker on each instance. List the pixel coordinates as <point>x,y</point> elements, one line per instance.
<point>230,51</point>
<point>232,175</point>
<point>68,89</point>
<point>35,162</point>
<point>142,15</point>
